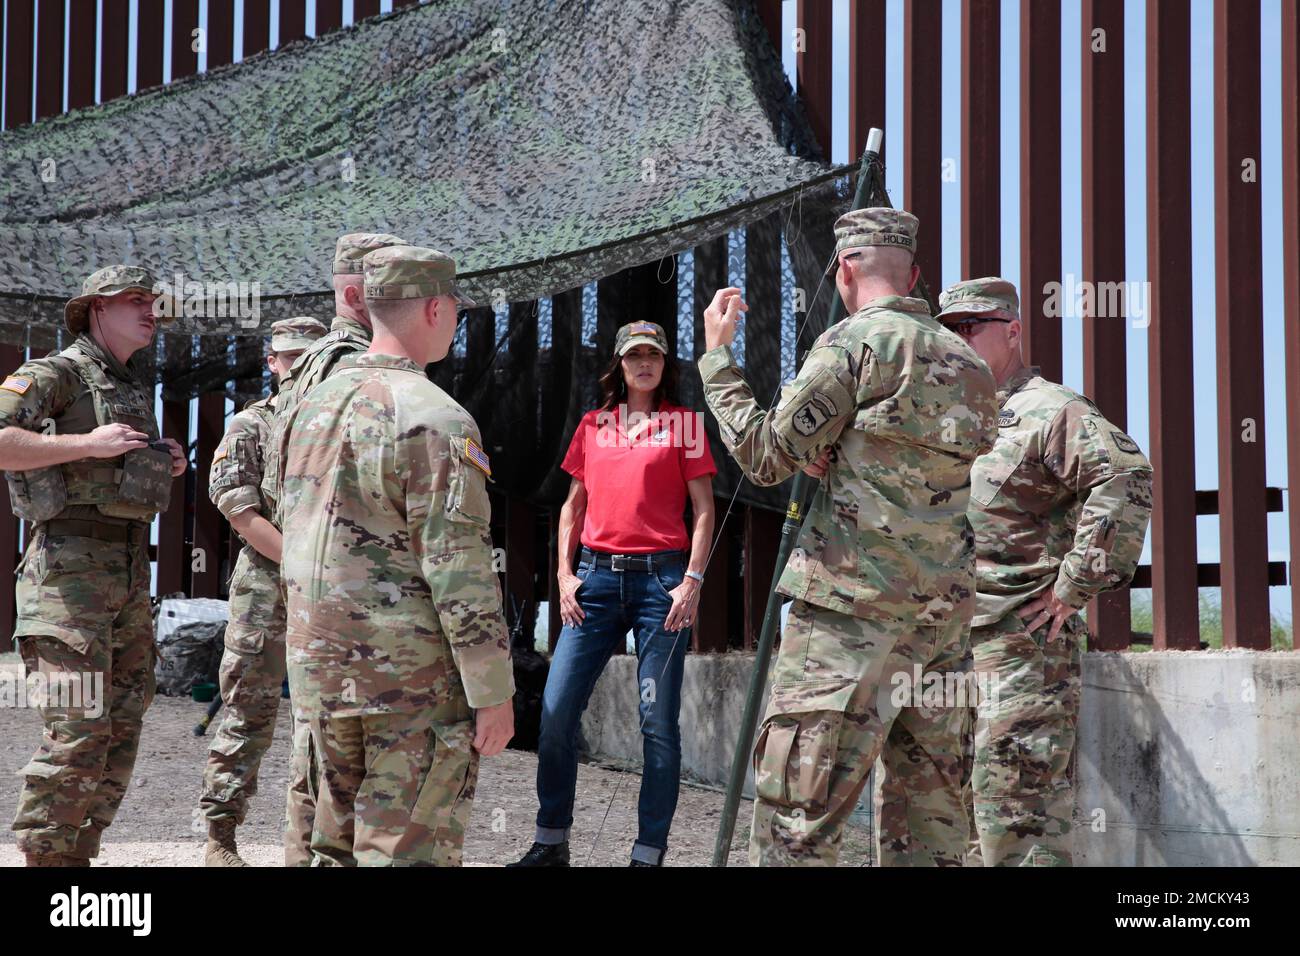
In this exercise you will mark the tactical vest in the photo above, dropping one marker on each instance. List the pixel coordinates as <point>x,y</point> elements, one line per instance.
<point>135,486</point>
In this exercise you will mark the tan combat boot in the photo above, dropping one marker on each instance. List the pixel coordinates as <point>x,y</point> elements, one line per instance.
<point>221,849</point>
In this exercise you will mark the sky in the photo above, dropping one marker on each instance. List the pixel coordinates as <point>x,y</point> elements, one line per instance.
<point>1202,113</point>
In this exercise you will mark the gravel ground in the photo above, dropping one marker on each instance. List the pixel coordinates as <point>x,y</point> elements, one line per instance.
<point>158,822</point>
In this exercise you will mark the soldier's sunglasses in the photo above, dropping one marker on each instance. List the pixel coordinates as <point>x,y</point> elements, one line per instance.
<point>967,326</point>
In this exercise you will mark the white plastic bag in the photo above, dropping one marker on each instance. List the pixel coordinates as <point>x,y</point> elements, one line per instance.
<point>177,611</point>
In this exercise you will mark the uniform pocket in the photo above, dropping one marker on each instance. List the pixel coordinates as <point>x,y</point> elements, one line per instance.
<point>990,472</point>
<point>244,640</point>
<point>37,495</point>
<point>243,636</point>
<point>467,496</point>
<point>146,478</point>
<point>35,565</point>
<point>799,742</point>
<point>246,462</point>
<point>450,782</point>
<point>38,770</point>
<point>73,555</point>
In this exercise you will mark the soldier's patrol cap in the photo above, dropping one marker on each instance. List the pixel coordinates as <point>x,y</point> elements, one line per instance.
<point>411,272</point>
<point>355,246</point>
<point>296,334</point>
<point>876,226</point>
<point>988,298</point>
<point>110,281</point>
<point>640,333</point>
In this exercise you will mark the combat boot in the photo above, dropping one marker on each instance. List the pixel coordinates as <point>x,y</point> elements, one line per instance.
<point>545,854</point>
<point>221,849</point>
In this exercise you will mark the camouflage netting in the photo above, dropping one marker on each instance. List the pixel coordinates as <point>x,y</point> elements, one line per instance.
<point>543,144</point>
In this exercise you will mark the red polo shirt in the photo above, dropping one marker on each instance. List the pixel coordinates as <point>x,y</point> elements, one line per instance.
<point>636,484</point>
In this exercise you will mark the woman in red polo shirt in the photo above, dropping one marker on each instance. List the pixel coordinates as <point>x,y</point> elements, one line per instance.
<point>634,461</point>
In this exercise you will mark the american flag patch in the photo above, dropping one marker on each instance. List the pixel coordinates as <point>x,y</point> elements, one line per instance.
<point>478,456</point>
<point>643,327</point>
<point>16,383</point>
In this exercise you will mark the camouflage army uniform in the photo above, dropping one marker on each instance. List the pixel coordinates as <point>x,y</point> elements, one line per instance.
<point>1061,502</point>
<point>882,574</point>
<point>83,585</point>
<point>346,337</point>
<point>252,665</point>
<point>395,628</point>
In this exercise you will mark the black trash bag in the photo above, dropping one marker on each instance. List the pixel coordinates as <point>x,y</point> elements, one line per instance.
<point>189,655</point>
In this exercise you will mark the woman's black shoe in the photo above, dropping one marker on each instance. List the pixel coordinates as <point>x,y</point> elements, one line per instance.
<point>545,854</point>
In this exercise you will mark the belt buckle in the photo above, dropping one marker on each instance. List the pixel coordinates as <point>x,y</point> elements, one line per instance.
<point>618,562</point>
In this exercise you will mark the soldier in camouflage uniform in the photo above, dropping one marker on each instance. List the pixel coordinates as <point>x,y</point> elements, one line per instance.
<point>893,409</point>
<point>398,652</point>
<point>349,334</point>
<point>252,667</point>
<point>85,465</point>
<point>1060,508</point>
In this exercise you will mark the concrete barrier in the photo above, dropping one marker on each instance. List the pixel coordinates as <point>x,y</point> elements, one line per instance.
<point>1189,759</point>
<point>1185,758</point>
<point>713,695</point>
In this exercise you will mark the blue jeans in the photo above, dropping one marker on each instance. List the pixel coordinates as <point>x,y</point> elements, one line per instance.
<point>615,602</point>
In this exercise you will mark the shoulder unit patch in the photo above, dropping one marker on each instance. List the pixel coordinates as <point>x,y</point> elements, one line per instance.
<point>1124,443</point>
<point>814,414</point>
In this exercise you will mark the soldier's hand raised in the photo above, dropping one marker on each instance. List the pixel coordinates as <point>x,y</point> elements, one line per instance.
<point>722,316</point>
<point>493,728</point>
<point>109,441</point>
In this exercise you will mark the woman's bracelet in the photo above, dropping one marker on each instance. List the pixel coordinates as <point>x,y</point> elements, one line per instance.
<point>696,575</point>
